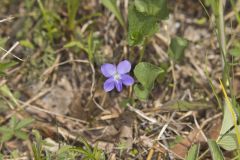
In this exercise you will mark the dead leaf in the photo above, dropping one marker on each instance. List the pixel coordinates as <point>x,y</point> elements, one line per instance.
<point>106,146</point>
<point>182,147</point>
<point>59,98</point>
<point>146,141</point>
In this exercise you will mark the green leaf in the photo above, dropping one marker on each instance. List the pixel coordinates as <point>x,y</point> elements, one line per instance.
<point>6,92</point>
<point>5,129</point>
<point>112,6</point>
<point>126,101</point>
<point>215,150</point>
<point>6,65</point>
<point>37,145</point>
<point>214,4</point>
<point>27,44</point>
<point>146,74</point>
<point>141,93</point>
<point>15,154</point>
<point>37,136</point>
<point>13,122</point>
<point>201,21</point>
<point>64,149</point>
<point>21,135</point>
<point>229,141</point>
<point>7,136</point>
<point>193,152</point>
<point>72,9</point>
<point>227,122</point>
<point>157,8</point>
<point>65,153</point>
<point>143,19</point>
<point>24,123</point>
<point>1,156</point>
<point>2,74</point>
<point>75,44</point>
<point>91,47</point>
<point>235,52</point>
<point>140,26</point>
<point>3,41</point>
<point>3,106</point>
<point>177,48</point>
<point>178,139</point>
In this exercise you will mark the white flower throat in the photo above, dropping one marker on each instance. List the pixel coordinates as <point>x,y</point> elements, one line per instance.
<point>116,76</point>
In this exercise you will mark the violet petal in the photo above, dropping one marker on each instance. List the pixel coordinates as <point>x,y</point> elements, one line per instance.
<point>127,80</point>
<point>108,70</point>
<point>108,84</point>
<point>118,85</point>
<point>124,67</point>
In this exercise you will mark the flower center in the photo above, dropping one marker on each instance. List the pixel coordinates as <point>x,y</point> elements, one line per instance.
<point>116,76</point>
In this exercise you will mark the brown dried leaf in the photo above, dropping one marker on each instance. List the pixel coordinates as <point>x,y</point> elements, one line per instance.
<point>182,147</point>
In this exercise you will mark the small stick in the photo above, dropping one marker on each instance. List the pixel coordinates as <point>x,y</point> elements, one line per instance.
<point>174,80</point>
<point>6,19</point>
<point>199,128</point>
<point>93,87</point>
<point>12,54</point>
<point>10,50</point>
<point>141,114</point>
<point>150,154</point>
<point>165,126</point>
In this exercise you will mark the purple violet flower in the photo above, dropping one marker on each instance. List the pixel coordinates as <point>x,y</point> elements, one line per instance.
<point>117,75</point>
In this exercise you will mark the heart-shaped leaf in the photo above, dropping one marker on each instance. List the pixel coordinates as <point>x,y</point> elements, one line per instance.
<point>143,19</point>
<point>156,8</point>
<point>177,48</point>
<point>146,74</point>
<point>229,141</point>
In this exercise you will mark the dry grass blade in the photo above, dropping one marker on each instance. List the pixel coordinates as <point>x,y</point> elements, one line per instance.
<point>8,19</point>
<point>141,114</point>
<point>10,50</point>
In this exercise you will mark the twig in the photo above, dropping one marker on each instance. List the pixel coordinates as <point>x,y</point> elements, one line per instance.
<point>10,50</point>
<point>12,54</point>
<point>203,154</point>
<point>150,154</point>
<point>165,126</point>
<point>174,80</point>
<point>93,88</point>
<point>199,128</point>
<point>210,119</point>
<point>3,82</point>
<point>6,19</point>
<point>141,114</point>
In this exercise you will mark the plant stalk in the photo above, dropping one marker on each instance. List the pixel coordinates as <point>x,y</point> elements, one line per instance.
<point>222,40</point>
